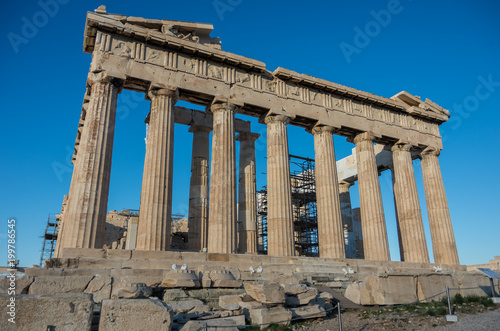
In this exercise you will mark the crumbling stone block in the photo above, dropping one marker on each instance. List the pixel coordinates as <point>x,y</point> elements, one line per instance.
<point>134,291</point>
<point>135,314</point>
<point>268,316</point>
<point>61,311</point>
<point>265,292</point>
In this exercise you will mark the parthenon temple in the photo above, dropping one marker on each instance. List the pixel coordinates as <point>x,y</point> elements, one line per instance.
<point>170,61</point>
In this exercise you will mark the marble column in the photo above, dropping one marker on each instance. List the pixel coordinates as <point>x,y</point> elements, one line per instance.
<point>443,239</point>
<point>60,228</point>
<point>247,194</point>
<point>85,214</point>
<point>155,215</point>
<point>280,240</point>
<point>222,211</point>
<point>347,219</point>
<point>408,206</point>
<point>375,241</point>
<point>199,189</point>
<point>330,230</point>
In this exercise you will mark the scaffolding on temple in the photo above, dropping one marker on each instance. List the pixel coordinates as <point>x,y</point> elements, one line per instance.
<point>262,221</point>
<point>305,221</point>
<point>49,238</point>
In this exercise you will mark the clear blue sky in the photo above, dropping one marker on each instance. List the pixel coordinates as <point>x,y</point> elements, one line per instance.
<point>442,50</point>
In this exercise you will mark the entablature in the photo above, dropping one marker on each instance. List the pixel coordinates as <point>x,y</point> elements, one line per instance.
<point>143,57</point>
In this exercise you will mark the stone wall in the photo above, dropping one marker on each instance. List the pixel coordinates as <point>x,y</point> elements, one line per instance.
<point>117,230</point>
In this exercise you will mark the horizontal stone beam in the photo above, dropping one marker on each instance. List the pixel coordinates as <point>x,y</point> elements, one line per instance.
<point>353,117</point>
<point>188,116</point>
<point>347,167</point>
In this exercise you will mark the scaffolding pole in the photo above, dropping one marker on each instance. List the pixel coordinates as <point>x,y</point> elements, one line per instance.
<point>49,238</point>
<point>305,220</point>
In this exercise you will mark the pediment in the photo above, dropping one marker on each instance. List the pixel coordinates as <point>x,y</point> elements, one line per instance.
<point>427,109</point>
<point>188,31</point>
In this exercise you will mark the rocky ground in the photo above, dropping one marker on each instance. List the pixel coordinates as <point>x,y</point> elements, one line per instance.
<point>476,317</point>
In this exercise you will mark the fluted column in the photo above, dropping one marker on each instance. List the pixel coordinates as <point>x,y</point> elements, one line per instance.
<point>408,206</point>
<point>443,238</point>
<point>247,203</point>
<point>280,240</point>
<point>85,214</point>
<point>330,230</point>
<point>199,188</point>
<point>375,242</point>
<point>60,228</point>
<point>155,215</point>
<point>222,211</point>
<point>347,219</point>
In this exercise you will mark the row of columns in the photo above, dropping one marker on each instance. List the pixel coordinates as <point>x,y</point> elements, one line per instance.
<point>213,221</point>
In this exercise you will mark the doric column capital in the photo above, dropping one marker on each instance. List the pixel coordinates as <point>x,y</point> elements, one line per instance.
<point>277,118</point>
<point>218,105</point>
<point>429,151</point>
<point>169,91</point>
<point>105,77</point>
<point>364,136</point>
<point>400,146</point>
<point>319,129</point>
<point>345,184</point>
<point>247,136</point>
<point>193,128</point>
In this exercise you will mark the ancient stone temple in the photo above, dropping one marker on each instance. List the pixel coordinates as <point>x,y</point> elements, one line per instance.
<point>170,61</point>
<point>147,269</point>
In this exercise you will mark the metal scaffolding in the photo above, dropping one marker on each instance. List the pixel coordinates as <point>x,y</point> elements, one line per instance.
<point>262,221</point>
<point>305,222</point>
<point>49,238</point>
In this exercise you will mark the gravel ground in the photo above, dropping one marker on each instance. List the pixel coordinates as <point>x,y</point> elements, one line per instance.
<point>352,320</point>
<point>489,320</point>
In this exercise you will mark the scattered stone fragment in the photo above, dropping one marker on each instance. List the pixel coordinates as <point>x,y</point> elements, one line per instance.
<point>265,292</point>
<point>135,314</point>
<point>174,294</point>
<point>268,316</point>
<point>293,289</point>
<point>229,299</point>
<point>231,307</point>
<point>62,311</point>
<point>301,298</point>
<point>100,287</point>
<point>184,306</point>
<point>306,312</point>
<point>224,278</point>
<point>135,291</point>
<point>59,284</point>
<point>326,296</point>
<point>180,278</point>
<point>228,324</point>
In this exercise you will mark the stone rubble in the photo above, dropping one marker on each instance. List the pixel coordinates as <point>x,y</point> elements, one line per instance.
<point>122,303</point>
